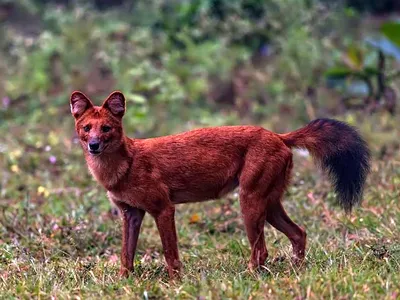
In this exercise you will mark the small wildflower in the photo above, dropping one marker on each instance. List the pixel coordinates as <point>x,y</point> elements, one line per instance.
<point>43,191</point>
<point>15,168</point>
<point>15,154</point>
<point>52,159</point>
<point>195,218</point>
<point>6,102</point>
<point>265,50</point>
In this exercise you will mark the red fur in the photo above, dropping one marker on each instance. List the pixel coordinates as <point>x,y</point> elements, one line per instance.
<point>152,175</point>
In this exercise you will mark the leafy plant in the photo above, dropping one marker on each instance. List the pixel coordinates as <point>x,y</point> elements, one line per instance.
<point>363,71</point>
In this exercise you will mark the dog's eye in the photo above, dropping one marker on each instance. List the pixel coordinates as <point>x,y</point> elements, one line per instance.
<point>105,128</point>
<point>86,128</point>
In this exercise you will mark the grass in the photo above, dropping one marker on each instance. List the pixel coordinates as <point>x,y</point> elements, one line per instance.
<point>58,236</point>
<point>59,239</point>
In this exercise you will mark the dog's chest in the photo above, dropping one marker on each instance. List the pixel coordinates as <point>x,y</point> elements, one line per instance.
<point>115,197</point>
<point>124,197</point>
<point>107,174</point>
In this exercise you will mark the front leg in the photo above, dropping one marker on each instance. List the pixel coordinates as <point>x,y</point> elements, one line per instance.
<point>131,221</point>
<point>165,221</point>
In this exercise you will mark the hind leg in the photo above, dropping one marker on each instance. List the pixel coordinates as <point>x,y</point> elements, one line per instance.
<point>253,210</point>
<point>263,174</point>
<point>278,218</point>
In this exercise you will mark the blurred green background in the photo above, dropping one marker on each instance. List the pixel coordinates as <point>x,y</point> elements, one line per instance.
<point>182,65</point>
<point>203,62</point>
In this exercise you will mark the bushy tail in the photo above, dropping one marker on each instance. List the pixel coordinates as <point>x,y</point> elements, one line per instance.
<point>341,151</point>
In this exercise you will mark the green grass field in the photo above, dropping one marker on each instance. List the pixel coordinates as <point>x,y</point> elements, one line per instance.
<point>59,240</point>
<point>183,65</point>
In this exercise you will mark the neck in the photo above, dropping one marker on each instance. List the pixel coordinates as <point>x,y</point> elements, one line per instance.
<point>110,168</point>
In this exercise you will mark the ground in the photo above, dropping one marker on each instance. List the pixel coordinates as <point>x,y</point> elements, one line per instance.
<point>59,239</point>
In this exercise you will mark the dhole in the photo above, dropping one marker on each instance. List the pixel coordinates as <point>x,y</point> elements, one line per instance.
<point>152,175</point>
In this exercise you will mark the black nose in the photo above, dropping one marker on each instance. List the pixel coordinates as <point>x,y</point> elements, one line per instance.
<point>94,146</point>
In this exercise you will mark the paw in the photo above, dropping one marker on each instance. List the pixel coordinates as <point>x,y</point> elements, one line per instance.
<point>253,266</point>
<point>257,261</point>
<point>174,275</point>
<point>124,272</point>
<point>298,260</point>
<point>174,271</point>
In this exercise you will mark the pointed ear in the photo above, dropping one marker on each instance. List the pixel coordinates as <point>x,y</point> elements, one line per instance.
<point>115,103</point>
<point>79,104</point>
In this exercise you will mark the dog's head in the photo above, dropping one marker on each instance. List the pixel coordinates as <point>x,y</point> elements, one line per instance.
<point>99,127</point>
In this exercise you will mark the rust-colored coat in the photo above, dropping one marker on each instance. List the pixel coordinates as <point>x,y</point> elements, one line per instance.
<point>152,175</point>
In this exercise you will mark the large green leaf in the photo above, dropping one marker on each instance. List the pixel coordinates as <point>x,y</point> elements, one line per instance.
<point>336,76</point>
<point>339,72</point>
<point>351,82</point>
<point>391,30</point>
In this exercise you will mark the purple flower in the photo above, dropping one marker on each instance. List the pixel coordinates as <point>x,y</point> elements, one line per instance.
<point>52,159</point>
<point>265,50</point>
<point>6,102</point>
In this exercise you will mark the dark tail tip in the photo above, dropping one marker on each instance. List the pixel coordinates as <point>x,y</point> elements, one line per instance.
<point>348,166</point>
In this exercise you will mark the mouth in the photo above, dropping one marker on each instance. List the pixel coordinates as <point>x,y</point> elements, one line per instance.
<point>95,152</point>
<point>98,151</point>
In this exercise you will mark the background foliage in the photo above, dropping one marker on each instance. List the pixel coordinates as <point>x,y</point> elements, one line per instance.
<point>182,65</point>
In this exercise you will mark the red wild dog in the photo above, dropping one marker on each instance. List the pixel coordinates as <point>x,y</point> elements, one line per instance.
<point>152,175</point>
